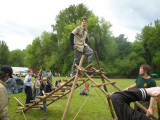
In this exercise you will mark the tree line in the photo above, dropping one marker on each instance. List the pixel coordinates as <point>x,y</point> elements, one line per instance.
<point>118,56</point>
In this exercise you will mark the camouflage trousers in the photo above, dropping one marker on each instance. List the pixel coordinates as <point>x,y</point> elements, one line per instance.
<point>77,56</point>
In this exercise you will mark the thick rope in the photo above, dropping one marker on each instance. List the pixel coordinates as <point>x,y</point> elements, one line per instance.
<point>82,105</point>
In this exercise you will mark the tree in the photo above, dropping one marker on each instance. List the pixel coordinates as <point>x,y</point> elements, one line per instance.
<point>123,46</point>
<point>4,53</point>
<point>16,58</point>
<point>150,38</point>
<point>100,37</point>
<point>42,53</point>
<point>34,56</point>
<point>49,50</point>
<point>49,43</point>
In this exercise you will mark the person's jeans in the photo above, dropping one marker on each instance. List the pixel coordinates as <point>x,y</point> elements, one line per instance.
<point>45,106</point>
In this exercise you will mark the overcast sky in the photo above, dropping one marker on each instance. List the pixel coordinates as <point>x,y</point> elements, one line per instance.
<point>21,21</point>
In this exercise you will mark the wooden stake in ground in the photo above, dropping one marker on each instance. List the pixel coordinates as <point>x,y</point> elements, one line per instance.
<point>105,88</point>
<point>72,90</point>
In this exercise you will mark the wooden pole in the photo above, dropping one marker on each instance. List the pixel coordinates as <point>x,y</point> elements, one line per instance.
<point>88,66</point>
<point>105,88</point>
<point>19,101</point>
<point>106,93</point>
<point>117,87</point>
<point>102,84</point>
<point>24,115</point>
<point>72,90</point>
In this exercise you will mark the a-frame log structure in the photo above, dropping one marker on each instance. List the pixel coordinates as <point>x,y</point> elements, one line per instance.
<point>55,95</point>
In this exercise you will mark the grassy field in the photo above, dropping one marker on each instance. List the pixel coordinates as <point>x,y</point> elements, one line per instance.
<point>94,108</point>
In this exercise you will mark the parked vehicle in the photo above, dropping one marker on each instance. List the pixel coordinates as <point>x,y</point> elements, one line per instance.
<point>23,73</point>
<point>16,73</point>
<point>154,75</point>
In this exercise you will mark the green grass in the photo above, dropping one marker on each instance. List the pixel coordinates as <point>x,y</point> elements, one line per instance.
<point>94,108</point>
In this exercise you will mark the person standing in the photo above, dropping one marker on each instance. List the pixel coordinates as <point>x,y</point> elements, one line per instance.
<point>79,41</point>
<point>5,73</point>
<point>144,81</point>
<point>45,88</point>
<point>28,86</point>
<point>36,85</point>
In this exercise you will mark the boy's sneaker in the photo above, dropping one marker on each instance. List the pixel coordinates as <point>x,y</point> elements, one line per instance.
<point>92,69</point>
